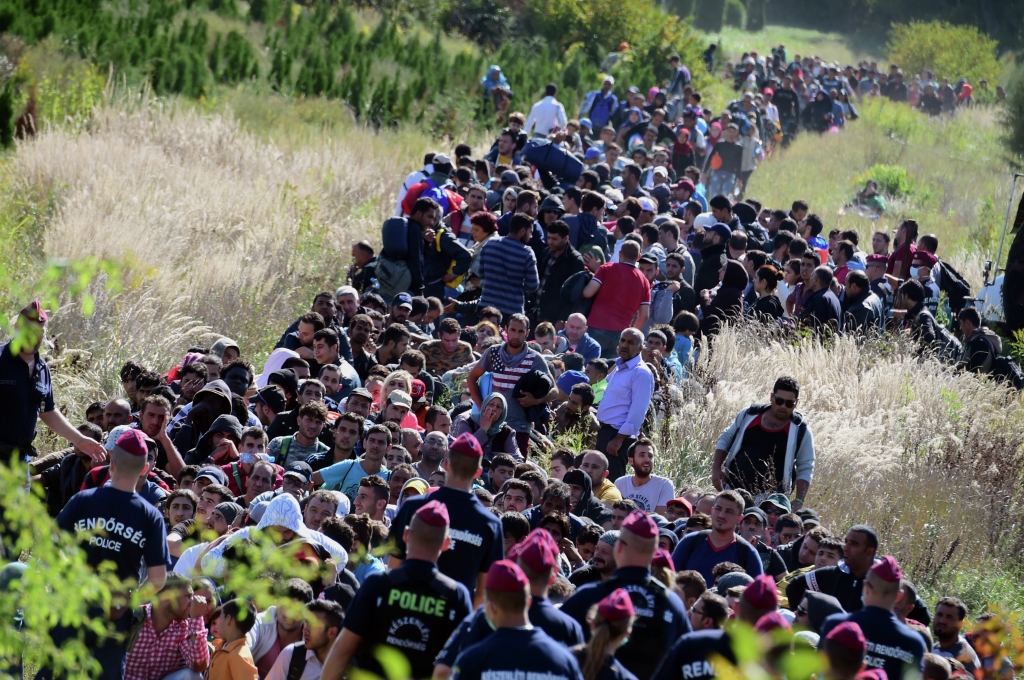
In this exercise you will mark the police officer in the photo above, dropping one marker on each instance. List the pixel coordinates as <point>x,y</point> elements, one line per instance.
<point>477,540</point>
<point>413,608</point>
<point>515,648</point>
<point>660,614</point>
<point>611,623</point>
<point>537,556</point>
<point>892,646</point>
<point>26,393</point>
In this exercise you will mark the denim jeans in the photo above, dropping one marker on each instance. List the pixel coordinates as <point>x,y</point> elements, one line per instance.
<point>609,341</point>
<point>720,182</point>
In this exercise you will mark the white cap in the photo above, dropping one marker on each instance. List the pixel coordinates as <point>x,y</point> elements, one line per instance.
<point>704,220</point>
<point>648,204</point>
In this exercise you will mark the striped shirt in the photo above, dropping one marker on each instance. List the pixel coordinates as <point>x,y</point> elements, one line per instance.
<point>509,271</point>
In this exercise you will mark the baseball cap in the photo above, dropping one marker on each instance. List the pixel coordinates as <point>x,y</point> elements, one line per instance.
<point>721,229</point>
<point>684,183</point>
<point>592,153</point>
<point>419,390</point>
<point>214,474</point>
<point>441,159</point>
<point>34,311</point>
<point>681,503</point>
<point>403,300</point>
<point>273,397</point>
<point>360,392</point>
<point>648,204</point>
<point>756,512</point>
<point>585,122</point>
<point>570,379</point>
<point>300,469</point>
<point>400,397</point>
<point>661,192</point>
<point>649,258</point>
<point>610,79</point>
<point>660,170</point>
<point>286,378</point>
<point>509,177</point>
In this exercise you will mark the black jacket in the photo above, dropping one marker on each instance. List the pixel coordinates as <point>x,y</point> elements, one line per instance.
<point>711,260</point>
<point>684,299</point>
<point>414,256</point>
<point>862,312</point>
<point>821,311</point>
<point>980,351</point>
<point>553,273</point>
<point>835,581</point>
<point>767,308</point>
<point>728,301</point>
<point>588,506</point>
<point>436,262</point>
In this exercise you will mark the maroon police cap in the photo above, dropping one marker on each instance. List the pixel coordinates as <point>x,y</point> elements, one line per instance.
<point>762,593</point>
<point>875,258</point>
<point>771,621</point>
<point>849,635</point>
<point>433,514</point>
<point>616,607</point>
<point>888,569</point>
<point>640,524</point>
<point>505,576</point>
<point>134,442</point>
<point>537,554</point>
<point>663,559</point>
<point>467,445</point>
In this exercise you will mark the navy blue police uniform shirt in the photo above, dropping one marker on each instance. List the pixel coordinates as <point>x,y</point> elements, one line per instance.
<point>693,656</point>
<point>612,669</point>
<point>24,397</point>
<point>892,645</point>
<point>128,530</point>
<point>516,654</point>
<point>476,535</point>
<point>413,608</point>
<point>542,614</point>
<point>660,616</point>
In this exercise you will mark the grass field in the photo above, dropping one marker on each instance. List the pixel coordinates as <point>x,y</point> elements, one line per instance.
<point>845,49</point>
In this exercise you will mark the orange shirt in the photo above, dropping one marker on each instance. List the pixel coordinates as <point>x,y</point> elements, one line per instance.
<point>232,662</point>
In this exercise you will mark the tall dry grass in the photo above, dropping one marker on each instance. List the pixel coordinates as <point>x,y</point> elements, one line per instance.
<point>220,230</point>
<point>929,456</point>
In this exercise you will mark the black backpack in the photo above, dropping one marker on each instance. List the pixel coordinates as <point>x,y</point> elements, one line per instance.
<point>956,288</point>
<point>1006,370</point>
<point>298,662</point>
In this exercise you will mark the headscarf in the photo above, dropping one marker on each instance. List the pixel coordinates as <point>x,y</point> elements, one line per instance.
<point>494,429</point>
<point>274,363</point>
<point>487,83</point>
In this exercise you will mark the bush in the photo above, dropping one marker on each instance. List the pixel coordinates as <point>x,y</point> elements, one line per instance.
<point>893,180</point>
<point>1013,116</point>
<point>950,51</point>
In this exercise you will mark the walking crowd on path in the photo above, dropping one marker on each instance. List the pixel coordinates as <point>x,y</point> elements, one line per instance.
<point>461,439</point>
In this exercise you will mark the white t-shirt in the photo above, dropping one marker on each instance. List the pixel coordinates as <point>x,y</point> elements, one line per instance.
<point>656,492</point>
<point>186,564</point>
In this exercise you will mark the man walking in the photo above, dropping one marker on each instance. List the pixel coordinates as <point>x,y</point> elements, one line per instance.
<point>767,448</point>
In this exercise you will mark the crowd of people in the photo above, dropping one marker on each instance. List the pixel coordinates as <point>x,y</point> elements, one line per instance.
<point>461,439</point>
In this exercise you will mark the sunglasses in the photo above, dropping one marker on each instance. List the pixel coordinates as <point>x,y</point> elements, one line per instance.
<point>788,403</point>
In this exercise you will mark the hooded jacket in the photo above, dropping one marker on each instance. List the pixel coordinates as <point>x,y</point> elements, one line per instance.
<point>711,260</point>
<point>284,512</point>
<point>585,229</point>
<point>587,506</point>
<point>184,433</point>
<point>799,446</point>
<point>728,302</point>
<point>204,447</point>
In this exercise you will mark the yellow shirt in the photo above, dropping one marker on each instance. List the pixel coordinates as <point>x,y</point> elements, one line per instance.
<point>607,492</point>
<point>232,662</point>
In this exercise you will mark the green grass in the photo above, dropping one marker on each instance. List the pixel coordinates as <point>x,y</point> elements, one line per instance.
<point>846,49</point>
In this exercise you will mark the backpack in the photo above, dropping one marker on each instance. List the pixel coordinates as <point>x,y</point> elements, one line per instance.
<point>947,346</point>
<point>956,288</point>
<point>554,159</point>
<point>1006,370</point>
<point>297,664</point>
<point>742,550</point>
<point>393,275</point>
